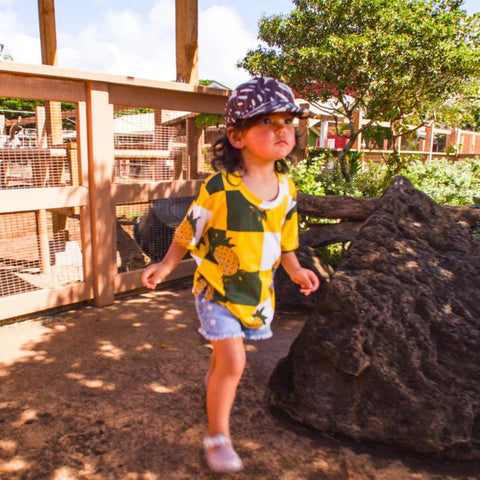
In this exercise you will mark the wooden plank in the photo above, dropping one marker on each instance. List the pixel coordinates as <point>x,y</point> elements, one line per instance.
<point>41,88</point>
<point>150,191</point>
<point>28,70</point>
<point>83,177</point>
<point>101,168</point>
<point>128,281</point>
<point>43,245</point>
<point>186,34</point>
<point>39,300</point>
<point>30,199</point>
<point>142,153</point>
<point>48,35</point>
<point>31,153</point>
<point>213,102</point>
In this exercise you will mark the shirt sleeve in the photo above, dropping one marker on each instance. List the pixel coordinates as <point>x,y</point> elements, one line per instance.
<point>289,239</point>
<point>191,229</point>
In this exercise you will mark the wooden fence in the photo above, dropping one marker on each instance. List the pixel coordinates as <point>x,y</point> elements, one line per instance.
<point>65,204</point>
<point>71,200</point>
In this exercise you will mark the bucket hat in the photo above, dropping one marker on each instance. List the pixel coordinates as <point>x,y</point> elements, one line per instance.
<point>259,96</point>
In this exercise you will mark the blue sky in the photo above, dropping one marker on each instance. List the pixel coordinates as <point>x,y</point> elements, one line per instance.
<point>137,38</point>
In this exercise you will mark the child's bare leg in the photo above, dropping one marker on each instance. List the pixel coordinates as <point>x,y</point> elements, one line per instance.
<point>211,368</point>
<point>226,369</point>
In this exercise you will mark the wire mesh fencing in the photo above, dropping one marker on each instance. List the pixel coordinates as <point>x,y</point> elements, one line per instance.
<point>38,146</point>
<point>39,250</point>
<point>160,145</point>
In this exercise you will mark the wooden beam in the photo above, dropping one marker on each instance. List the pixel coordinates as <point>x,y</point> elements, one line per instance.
<point>186,32</point>
<point>44,299</point>
<point>101,174</point>
<point>48,42</point>
<point>48,35</point>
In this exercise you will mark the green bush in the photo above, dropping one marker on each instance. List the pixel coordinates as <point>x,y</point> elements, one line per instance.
<point>443,180</point>
<point>447,182</point>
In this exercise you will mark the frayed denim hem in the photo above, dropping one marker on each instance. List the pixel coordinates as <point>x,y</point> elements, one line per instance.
<point>208,337</point>
<point>265,336</point>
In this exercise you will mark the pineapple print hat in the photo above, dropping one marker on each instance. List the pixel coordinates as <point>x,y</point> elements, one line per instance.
<point>259,96</point>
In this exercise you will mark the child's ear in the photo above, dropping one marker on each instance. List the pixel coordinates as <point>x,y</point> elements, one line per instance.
<point>235,137</point>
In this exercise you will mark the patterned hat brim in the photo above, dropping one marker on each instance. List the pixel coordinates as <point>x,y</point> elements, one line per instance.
<point>275,107</point>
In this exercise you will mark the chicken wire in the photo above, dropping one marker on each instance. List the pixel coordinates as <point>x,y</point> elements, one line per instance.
<point>155,145</point>
<point>35,253</point>
<point>38,147</point>
<point>130,256</point>
<point>145,230</point>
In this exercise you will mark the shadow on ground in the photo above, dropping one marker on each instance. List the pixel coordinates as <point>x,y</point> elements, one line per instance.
<point>117,393</point>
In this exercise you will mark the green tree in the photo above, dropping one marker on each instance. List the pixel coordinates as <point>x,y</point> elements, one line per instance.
<point>396,60</point>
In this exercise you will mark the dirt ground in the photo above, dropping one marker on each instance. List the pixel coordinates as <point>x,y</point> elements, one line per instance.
<point>117,393</point>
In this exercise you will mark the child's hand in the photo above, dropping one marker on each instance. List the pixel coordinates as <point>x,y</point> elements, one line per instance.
<point>153,274</point>
<point>307,280</point>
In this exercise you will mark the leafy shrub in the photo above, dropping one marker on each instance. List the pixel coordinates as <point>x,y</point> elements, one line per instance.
<point>443,180</point>
<point>446,182</point>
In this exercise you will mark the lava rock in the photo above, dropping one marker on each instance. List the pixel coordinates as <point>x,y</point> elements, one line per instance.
<point>392,351</point>
<point>287,293</point>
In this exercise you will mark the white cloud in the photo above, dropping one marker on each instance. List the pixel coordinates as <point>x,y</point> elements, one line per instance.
<point>125,43</point>
<point>223,41</point>
<point>134,42</point>
<point>22,47</point>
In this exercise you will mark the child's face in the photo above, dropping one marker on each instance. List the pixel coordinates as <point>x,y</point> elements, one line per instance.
<point>271,138</point>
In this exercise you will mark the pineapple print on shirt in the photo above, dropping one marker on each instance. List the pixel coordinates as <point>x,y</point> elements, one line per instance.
<point>236,241</point>
<point>186,230</point>
<point>222,250</point>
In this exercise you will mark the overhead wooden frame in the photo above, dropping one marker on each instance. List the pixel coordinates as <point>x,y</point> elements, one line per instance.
<point>186,37</point>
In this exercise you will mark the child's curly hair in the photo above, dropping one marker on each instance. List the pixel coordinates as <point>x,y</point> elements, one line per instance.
<point>228,158</point>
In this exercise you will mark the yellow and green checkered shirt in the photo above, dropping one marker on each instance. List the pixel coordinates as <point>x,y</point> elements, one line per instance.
<point>236,240</point>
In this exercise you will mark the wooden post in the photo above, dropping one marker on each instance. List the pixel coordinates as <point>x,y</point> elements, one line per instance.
<point>101,174</point>
<point>4,163</point>
<point>48,41</point>
<point>357,123</point>
<point>48,36</point>
<point>40,123</point>
<point>452,141</point>
<point>192,134</point>
<point>42,235</point>
<point>429,136</point>
<point>300,151</point>
<point>323,134</point>
<point>186,28</point>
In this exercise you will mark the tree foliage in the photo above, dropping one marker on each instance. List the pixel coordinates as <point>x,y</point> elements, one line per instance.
<point>397,60</point>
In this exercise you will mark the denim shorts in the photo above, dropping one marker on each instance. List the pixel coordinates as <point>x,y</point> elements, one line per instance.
<point>218,323</point>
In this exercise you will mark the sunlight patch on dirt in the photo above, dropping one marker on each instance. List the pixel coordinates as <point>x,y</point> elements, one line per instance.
<point>25,417</point>
<point>109,350</point>
<point>157,388</point>
<point>8,446</point>
<point>91,383</point>
<point>18,342</point>
<point>15,464</point>
<point>146,347</point>
<point>172,314</point>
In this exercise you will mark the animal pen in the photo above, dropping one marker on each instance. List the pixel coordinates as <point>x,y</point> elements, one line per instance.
<point>102,172</point>
<point>70,198</point>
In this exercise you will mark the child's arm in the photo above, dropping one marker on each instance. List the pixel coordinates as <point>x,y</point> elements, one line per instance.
<point>306,278</point>
<point>157,272</point>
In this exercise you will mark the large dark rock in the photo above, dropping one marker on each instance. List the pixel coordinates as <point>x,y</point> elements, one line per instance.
<point>392,351</point>
<point>287,293</point>
<point>154,230</point>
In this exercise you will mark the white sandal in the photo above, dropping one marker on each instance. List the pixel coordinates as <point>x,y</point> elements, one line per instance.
<point>220,456</point>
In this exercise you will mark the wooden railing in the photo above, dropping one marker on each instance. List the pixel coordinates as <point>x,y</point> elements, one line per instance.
<point>94,194</point>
